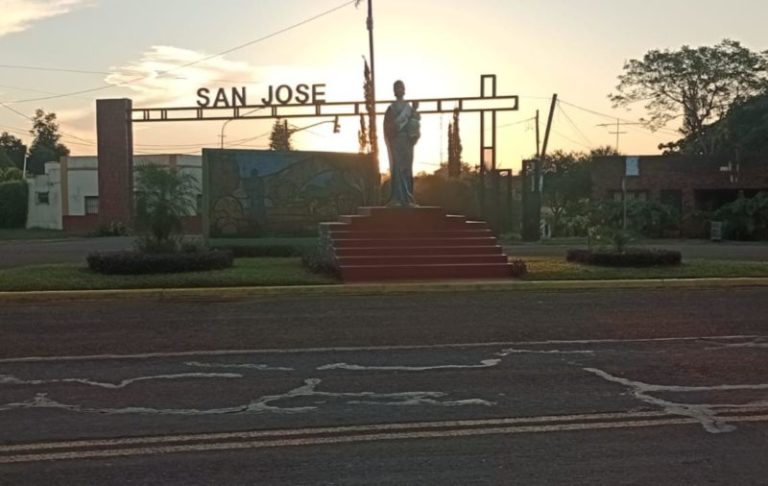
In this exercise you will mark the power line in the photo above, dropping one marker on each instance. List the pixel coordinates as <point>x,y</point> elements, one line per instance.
<point>51,69</point>
<point>520,122</point>
<point>192,63</point>
<point>572,140</point>
<point>613,117</point>
<point>578,130</point>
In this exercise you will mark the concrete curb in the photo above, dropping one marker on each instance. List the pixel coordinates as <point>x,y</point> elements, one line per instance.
<point>377,289</point>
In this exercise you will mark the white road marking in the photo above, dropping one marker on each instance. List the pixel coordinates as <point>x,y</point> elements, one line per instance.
<point>262,404</point>
<point>486,363</point>
<point>13,380</point>
<point>506,352</point>
<point>230,352</point>
<point>246,366</point>
<point>706,414</point>
<point>354,438</point>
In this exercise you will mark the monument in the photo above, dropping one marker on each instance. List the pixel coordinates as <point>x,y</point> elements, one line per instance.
<point>401,132</point>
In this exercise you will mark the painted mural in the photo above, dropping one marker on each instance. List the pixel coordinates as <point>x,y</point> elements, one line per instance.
<point>256,193</point>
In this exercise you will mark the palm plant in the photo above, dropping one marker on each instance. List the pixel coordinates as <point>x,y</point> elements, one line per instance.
<point>164,197</point>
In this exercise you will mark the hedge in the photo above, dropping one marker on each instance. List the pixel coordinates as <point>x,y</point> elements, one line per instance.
<point>629,258</point>
<point>137,263</point>
<point>13,204</point>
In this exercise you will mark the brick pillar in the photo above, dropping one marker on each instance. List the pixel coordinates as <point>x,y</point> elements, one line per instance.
<point>115,145</point>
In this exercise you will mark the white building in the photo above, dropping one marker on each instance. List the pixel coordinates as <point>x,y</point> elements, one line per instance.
<point>66,197</point>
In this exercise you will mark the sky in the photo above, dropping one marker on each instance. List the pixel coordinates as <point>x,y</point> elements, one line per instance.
<point>159,52</point>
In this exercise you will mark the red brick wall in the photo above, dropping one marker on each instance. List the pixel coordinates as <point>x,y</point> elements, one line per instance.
<point>81,224</point>
<point>686,174</point>
<point>115,146</point>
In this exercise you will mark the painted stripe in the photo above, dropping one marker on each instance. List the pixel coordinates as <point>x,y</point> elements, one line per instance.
<point>340,430</point>
<point>230,352</point>
<point>315,441</point>
<point>330,430</point>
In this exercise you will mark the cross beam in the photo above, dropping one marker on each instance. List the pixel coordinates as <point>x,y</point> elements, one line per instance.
<point>427,106</point>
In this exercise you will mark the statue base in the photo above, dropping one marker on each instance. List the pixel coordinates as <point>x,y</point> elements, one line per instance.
<point>412,243</point>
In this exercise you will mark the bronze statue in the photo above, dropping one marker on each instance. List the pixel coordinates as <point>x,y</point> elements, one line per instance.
<point>401,132</point>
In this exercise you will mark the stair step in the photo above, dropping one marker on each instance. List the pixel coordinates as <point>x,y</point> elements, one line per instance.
<point>347,233</point>
<point>419,251</point>
<point>394,260</point>
<point>412,242</point>
<point>367,273</point>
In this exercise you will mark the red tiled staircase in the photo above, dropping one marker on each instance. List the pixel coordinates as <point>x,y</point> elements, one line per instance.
<point>423,243</point>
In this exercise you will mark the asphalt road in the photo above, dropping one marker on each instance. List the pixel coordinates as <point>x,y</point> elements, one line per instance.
<point>625,387</point>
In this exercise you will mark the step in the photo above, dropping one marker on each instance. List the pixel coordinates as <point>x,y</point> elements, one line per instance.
<point>391,260</point>
<point>368,273</point>
<point>413,242</point>
<point>419,251</point>
<point>365,234</point>
<point>385,212</point>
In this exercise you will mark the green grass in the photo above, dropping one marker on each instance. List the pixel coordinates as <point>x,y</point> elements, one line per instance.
<point>556,268</point>
<point>246,272</point>
<point>255,272</point>
<point>31,234</point>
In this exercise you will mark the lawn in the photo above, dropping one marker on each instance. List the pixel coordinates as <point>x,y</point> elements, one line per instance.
<point>256,272</point>
<point>246,272</point>
<point>556,268</point>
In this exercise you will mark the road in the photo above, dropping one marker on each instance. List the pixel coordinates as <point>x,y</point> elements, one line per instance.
<point>624,387</point>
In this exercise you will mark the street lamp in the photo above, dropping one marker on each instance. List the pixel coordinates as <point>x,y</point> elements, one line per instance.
<point>335,121</point>
<point>221,136</point>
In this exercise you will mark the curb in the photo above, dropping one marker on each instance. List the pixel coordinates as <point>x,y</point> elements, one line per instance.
<point>378,289</point>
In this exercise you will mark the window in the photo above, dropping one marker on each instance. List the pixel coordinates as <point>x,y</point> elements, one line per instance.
<point>91,204</point>
<point>43,198</point>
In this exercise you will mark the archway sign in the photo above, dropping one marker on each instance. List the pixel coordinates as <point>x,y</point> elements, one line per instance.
<point>115,119</point>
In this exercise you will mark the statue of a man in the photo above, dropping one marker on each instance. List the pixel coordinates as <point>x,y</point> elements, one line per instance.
<point>401,132</point>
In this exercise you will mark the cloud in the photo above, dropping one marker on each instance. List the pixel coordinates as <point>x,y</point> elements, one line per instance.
<point>19,15</point>
<point>167,74</point>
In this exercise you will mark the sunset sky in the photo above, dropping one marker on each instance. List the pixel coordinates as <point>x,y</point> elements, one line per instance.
<point>438,47</point>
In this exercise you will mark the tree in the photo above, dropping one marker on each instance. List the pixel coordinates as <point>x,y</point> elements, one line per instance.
<point>362,137</point>
<point>741,133</point>
<point>46,146</point>
<point>280,138</point>
<point>12,150</point>
<point>454,146</point>
<point>370,108</point>
<point>164,197</point>
<point>698,85</point>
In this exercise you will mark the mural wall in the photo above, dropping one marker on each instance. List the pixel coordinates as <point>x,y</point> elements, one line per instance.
<point>256,193</point>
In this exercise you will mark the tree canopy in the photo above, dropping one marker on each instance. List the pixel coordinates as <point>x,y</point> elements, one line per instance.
<point>46,146</point>
<point>12,151</point>
<point>699,85</point>
<point>280,138</point>
<point>741,133</point>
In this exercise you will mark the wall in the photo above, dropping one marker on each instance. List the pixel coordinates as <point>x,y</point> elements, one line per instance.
<point>41,215</point>
<point>689,175</point>
<point>73,179</point>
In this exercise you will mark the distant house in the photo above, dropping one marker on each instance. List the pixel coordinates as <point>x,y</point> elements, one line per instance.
<point>692,185</point>
<point>66,196</point>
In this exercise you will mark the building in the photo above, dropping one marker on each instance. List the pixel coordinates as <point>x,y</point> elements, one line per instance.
<point>694,186</point>
<point>67,196</point>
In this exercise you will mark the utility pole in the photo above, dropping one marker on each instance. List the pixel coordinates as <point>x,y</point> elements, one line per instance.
<point>538,136</point>
<point>372,122</point>
<point>618,131</point>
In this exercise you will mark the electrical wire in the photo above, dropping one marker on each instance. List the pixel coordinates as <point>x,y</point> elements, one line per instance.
<point>192,63</point>
<point>575,127</point>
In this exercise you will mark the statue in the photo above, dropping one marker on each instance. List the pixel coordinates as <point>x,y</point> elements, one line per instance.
<point>401,132</point>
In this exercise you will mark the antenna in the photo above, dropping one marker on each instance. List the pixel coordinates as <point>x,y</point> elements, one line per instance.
<point>618,131</point>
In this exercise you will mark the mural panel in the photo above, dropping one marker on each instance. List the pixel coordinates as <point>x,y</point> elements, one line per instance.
<point>256,193</point>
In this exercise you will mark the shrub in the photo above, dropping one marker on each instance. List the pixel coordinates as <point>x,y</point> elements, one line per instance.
<point>318,260</point>
<point>266,251</point>
<point>114,228</point>
<point>745,218</point>
<point>629,258</point>
<point>519,268</point>
<point>13,204</point>
<point>137,263</point>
